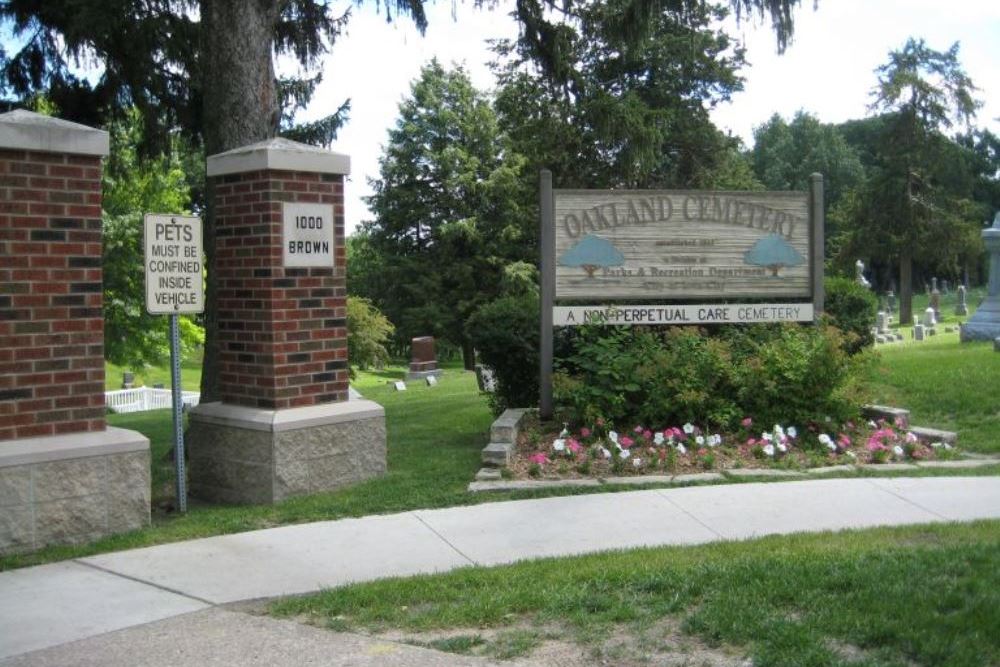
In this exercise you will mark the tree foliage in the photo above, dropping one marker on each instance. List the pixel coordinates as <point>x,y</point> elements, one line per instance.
<point>133,185</point>
<point>448,219</point>
<point>916,204</point>
<point>786,153</point>
<point>368,333</point>
<point>623,108</point>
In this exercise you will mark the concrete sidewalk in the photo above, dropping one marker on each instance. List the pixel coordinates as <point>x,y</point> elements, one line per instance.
<point>51,605</point>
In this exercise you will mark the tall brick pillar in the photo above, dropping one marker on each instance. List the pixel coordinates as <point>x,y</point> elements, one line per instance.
<point>284,425</point>
<point>64,476</point>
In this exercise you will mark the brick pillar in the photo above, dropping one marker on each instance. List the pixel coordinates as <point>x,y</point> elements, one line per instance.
<point>282,330</point>
<point>51,326</point>
<point>284,425</point>
<point>53,437</point>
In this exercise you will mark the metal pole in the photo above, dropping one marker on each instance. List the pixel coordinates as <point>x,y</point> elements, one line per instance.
<point>548,252</point>
<point>178,401</point>
<point>818,241</point>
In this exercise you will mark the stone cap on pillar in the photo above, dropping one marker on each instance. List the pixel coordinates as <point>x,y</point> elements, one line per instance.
<point>280,154</point>
<point>27,130</point>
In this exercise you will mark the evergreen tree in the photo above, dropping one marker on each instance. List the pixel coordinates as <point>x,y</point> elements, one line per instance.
<point>447,218</point>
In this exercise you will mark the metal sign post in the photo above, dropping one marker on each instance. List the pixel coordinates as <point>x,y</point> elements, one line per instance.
<point>174,285</point>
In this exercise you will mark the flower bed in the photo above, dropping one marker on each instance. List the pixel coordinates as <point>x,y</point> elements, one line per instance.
<point>599,450</point>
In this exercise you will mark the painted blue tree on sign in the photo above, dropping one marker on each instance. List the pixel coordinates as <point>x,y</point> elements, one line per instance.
<point>592,253</point>
<point>774,252</point>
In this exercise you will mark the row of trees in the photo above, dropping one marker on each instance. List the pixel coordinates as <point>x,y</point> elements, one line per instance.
<point>455,216</point>
<point>204,69</point>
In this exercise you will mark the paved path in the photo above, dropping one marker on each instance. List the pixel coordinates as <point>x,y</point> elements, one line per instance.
<point>49,606</point>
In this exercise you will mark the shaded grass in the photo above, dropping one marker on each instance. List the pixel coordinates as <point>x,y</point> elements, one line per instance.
<point>928,595</point>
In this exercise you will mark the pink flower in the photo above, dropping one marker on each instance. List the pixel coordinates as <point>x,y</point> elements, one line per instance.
<point>584,432</point>
<point>626,442</point>
<point>843,440</point>
<point>538,458</point>
<point>637,429</point>
<point>573,446</point>
<point>751,442</point>
<point>647,434</point>
<point>747,422</point>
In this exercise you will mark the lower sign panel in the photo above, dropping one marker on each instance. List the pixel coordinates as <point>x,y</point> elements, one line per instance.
<point>563,316</point>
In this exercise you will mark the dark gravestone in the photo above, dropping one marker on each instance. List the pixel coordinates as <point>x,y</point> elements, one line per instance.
<point>423,360</point>
<point>935,301</point>
<point>128,380</point>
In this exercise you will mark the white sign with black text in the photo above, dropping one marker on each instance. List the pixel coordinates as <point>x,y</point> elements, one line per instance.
<point>568,316</point>
<point>173,264</point>
<point>308,236</point>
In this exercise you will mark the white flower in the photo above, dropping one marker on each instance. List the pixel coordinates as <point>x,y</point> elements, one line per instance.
<point>851,454</point>
<point>565,432</point>
<point>766,437</point>
<point>824,439</point>
<point>605,453</point>
<point>689,428</point>
<point>782,447</point>
<point>658,437</point>
<point>637,463</point>
<point>623,453</point>
<point>831,445</point>
<point>872,424</point>
<point>936,445</point>
<point>700,440</point>
<point>559,445</point>
<point>769,449</point>
<point>897,450</point>
<point>947,446</point>
<point>910,438</point>
<point>613,436</point>
<point>681,448</point>
<point>792,433</point>
<point>779,432</point>
<point>714,440</point>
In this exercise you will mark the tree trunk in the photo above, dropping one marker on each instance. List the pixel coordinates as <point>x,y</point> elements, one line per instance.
<point>468,356</point>
<point>905,287</point>
<point>239,107</point>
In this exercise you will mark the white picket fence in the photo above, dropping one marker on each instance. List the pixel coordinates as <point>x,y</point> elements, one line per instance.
<point>141,399</point>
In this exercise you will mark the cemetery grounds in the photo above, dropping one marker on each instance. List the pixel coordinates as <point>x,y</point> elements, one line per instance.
<point>899,596</point>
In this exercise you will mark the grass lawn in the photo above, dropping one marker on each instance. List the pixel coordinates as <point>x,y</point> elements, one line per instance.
<point>147,377</point>
<point>435,435</point>
<point>927,595</point>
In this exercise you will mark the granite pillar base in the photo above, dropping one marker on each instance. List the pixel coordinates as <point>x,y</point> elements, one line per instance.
<point>72,489</point>
<point>248,455</point>
<point>984,323</point>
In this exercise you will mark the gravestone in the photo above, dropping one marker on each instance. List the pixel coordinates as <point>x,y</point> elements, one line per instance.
<point>486,378</point>
<point>929,319</point>
<point>891,299</point>
<point>128,380</point>
<point>283,425</point>
<point>65,476</point>
<point>961,308</point>
<point>944,287</point>
<point>935,301</point>
<point>985,322</point>
<point>918,332</point>
<point>423,360</point>
<point>859,274</point>
<point>927,287</point>
<point>882,320</point>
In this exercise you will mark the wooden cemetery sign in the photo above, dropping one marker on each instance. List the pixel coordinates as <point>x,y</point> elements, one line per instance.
<point>680,257</point>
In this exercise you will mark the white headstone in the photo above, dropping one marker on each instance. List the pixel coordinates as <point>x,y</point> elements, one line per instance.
<point>431,381</point>
<point>929,320</point>
<point>400,385</point>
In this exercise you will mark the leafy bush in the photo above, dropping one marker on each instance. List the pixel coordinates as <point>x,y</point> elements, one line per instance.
<point>505,332</point>
<point>774,374</point>
<point>368,332</point>
<point>851,308</point>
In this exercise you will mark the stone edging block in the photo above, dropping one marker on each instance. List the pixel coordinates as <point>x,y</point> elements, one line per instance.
<point>503,437</point>
<point>27,451</point>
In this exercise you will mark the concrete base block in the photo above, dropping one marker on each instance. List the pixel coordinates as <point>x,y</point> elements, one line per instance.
<point>248,455</point>
<point>72,489</point>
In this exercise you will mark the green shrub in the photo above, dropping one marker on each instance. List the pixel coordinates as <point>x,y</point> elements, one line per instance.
<point>851,308</point>
<point>505,333</point>
<point>368,332</point>
<point>786,374</point>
